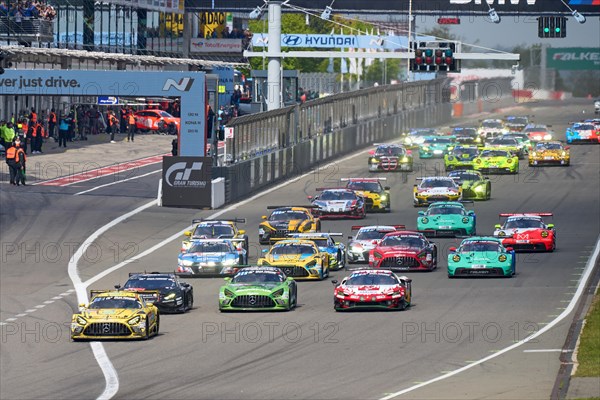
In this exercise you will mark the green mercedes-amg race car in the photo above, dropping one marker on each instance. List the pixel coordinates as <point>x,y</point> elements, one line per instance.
<point>475,186</point>
<point>481,256</point>
<point>258,288</point>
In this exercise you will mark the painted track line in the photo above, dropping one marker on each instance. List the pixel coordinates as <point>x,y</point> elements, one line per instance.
<point>114,183</point>
<point>110,373</point>
<point>580,288</point>
<point>102,171</point>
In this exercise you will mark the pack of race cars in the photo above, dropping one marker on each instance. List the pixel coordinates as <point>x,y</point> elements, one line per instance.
<point>298,249</point>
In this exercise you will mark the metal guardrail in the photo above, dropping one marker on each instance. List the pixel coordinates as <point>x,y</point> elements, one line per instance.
<point>28,27</point>
<point>262,133</point>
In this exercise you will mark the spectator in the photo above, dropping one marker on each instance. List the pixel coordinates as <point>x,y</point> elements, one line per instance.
<point>63,130</point>
<point>225,33</point>
<point>52,120</point>
<point>131,126</point>
<point>210,118</point>
<point>3,9</point>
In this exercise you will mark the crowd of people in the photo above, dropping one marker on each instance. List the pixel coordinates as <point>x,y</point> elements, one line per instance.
<point>27,9</point>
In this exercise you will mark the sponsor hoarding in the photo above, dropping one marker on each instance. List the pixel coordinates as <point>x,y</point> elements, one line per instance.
<point>199,45</point>
<point>186,182</point>
<point>573,58</point>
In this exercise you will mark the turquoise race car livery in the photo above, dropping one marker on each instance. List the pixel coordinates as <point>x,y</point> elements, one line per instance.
<point>447,218</point>
<point>481,256</point>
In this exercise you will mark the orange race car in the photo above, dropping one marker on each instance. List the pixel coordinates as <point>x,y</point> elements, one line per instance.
<point>157,121</point>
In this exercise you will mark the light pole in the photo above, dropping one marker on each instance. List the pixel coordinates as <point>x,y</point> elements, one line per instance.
<point>274,68</point>
<point>408,41</point>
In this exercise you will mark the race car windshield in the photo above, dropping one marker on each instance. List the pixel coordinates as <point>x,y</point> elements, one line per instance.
<point>583,127</point>
<point>409,242</point>
<point>292,249</point>
<point>421,132</point>
<point>436,183</point>
<point>548,146</point>
<point>466,176</point>
<point>214,230</point>
<point>505,141</point>
<point>284,216</point>
<point>374,187</point>
<point>518,121</point>
<point>165,114</point>
<point>480,246</point>
<point>492,124</point>
<point>459,151</point>
<point>257,277</point>
<point>494,153</point>
<point>390,151</point>
<point>438,140</point>
<point>523,223</point>
<point>536,129</point>
<point>150,284</point>
<point>371,280</point>
<point>465,132</point>
<point>114,302</point>
<point>210,248</point>
<point>337,195</point>
<point>446,211</point>
<point>371,234</point>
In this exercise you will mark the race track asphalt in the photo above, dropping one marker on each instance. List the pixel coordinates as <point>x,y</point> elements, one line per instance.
<point>311,352</point>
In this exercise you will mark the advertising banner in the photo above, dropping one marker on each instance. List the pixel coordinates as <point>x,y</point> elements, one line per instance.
<point>188,86</point>
<point>186,182</point>
<point>377,42</point>
<point>573,58</point>
<point>199,45</point>
<point>166,6</point>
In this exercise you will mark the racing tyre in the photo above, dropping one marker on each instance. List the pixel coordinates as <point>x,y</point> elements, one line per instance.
<point>157,326</point>
<point>319,226</point>
<point>190,302</point>
<point>147,336</point>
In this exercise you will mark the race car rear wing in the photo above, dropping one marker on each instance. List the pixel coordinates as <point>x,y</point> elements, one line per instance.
<point>302,206</point>
<point>357,227</point>
<point>363,179</point>
<point>320,189</point>
<point>236,220</point>
<point>312,235</point>
<point>543,214</point>
<point>151,273</point>
<point>149,296</point>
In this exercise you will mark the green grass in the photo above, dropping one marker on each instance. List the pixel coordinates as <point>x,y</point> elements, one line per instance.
<point>588,354</point>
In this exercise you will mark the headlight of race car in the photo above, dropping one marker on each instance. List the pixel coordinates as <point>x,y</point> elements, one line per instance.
<point>135,320</point>
<point>278,293</point>
<point>81,321</point>
<point>456,258</point>
<point>404,159</point>
<point>465,220</point>
<point>170,296</point>
<point>356,249</point>
<point>544,234</point>
<point>228,293</point>
<point>534,154</point>
<point>547,137</point>
<point>479,188</point>
<point>383,197</point>
<point>408,140</point>
<point>186,263</point>
<point>374,160</point>
<point>424,220</point>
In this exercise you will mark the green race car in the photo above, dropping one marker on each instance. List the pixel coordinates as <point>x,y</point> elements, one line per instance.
<point>447,218</point>
<point>481,256</point>
<point>461,157</point>
<point>475,186</point>
<point>258,288</point>
<point>435,146</point>
<point>492,160</point>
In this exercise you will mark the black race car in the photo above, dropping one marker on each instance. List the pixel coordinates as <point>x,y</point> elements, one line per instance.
<point>175,296</point>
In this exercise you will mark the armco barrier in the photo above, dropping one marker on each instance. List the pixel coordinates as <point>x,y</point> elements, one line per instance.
<point>252,175</point>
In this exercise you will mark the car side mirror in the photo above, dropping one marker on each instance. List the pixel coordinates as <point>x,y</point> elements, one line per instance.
<point>187,233</point>
<point>498,226</point>
<point>452,249</point>
<point>263,217</point>
<point>471,213</point>
<point>386,188</point>
<point>227,279</point>
<point>242,232</point>
<point>550,226</point>
<point>567,147</point>
<point>334,282</point>
<point>309,197</point>
<point>82,306</point>
<point>421,212</point>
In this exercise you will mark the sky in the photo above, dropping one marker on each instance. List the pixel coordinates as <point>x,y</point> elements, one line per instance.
<point>514,30</point>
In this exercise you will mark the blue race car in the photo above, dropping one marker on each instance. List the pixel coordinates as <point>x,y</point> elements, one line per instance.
<point>212,257</point>
<point>583,132</point>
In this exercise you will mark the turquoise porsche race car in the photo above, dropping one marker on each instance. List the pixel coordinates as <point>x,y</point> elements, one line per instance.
<point>475,186</point>
<point>447,218</point>
<point>481,256</point>
<point>435,146</point>
<point>258,288</point>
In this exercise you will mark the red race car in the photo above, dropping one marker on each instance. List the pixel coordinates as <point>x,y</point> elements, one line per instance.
<point>527,232</point>
<point>404,251</point>
<point>372,289</point>
<point>156,120</point>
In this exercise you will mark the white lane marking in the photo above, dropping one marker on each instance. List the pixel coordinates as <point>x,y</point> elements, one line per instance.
<point>110,374</point>
<point>64,294</point>
<point>109,371</point>
<point>57,298</point>
<point>40,306</point>
<point>114,183</point>
<point>580,288</point>
<point>49,302</point>
<point>10,319</point>
<point>20,315</point>
<point>547,351</point>
<point>30,310</point>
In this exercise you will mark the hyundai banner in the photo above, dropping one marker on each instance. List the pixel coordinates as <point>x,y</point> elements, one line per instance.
<point>186,182</point>
<point>378,42</point>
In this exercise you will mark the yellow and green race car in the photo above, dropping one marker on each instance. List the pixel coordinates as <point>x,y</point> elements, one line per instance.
<point>215,229</point>
<point>377,197</point>
<point>492,160</point>
<point>461,157</point>
<point>549,153</point>
<point>116,314</point>
<point>297,258</point>
<point>287,219</point>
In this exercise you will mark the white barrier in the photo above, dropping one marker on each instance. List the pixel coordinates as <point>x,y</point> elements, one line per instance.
<point>218,193</point>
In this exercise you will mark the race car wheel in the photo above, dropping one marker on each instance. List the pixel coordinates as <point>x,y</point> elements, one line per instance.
<point>293,299</point>
<point>157,326</point>
<point>147,335</point>
<point>319,226</point>
<point>190,302</point>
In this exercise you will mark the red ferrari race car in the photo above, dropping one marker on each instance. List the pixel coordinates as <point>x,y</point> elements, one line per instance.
<point>404,251</point>
<point>372,289</point>
<point>527,232</point>
<point>157,121</point>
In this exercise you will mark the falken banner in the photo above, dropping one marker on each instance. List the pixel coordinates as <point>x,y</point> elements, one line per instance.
<point>378,42</point>
<point>573,58</point>
<point>423,7</point>
<point>187,86</point>
<point>187,182</point>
